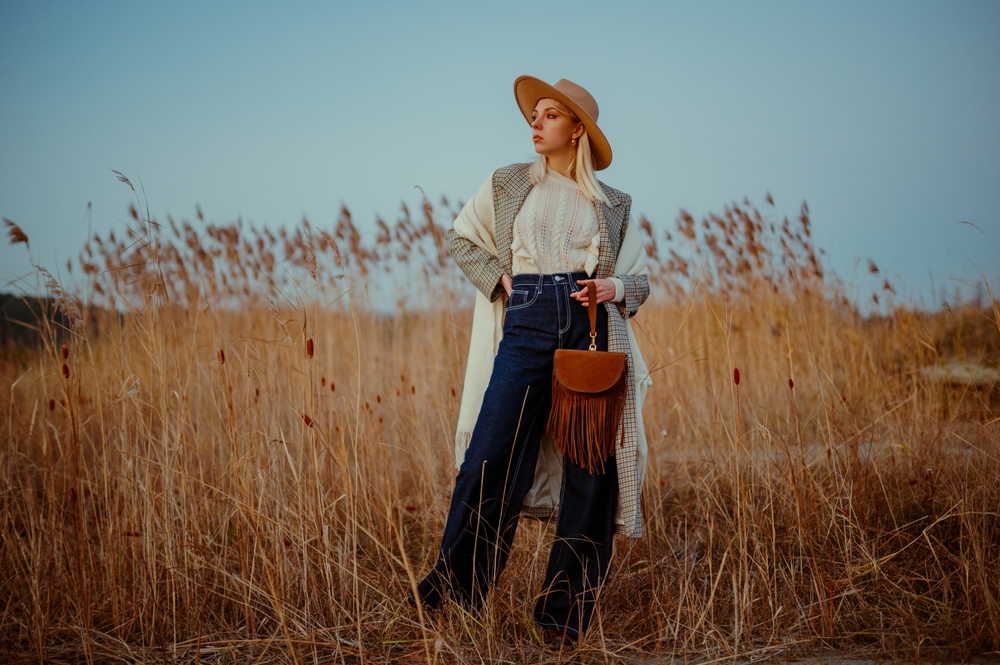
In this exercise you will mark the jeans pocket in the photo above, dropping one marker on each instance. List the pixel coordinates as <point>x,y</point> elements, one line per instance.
<point>521,297</point>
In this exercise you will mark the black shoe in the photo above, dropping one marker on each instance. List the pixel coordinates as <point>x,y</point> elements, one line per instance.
<point>557,640</point>
<point>428,608</point>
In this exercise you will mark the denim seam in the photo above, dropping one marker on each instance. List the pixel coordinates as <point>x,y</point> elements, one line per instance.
<point>527,304</point>
<point>566,301</point>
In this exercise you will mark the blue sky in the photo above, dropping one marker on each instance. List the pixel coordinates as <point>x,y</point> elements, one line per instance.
<point>884,116</point>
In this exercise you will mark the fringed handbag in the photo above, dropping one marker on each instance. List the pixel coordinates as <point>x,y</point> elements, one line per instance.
<point>588,399</point>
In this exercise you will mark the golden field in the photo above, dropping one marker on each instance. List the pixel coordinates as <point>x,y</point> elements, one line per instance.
<point>239,448</point>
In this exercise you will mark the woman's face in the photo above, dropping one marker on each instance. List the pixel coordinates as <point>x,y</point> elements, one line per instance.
<point>553,127</point>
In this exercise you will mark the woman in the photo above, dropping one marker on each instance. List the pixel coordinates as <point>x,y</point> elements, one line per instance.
<point>529,241</point>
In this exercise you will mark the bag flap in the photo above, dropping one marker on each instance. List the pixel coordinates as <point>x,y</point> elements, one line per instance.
<point>588,371</point>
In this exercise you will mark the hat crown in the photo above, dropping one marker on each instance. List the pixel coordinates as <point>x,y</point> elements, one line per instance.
<point>578,94</point>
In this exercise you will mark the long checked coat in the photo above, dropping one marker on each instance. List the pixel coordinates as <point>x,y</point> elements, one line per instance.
<point>480,243</point>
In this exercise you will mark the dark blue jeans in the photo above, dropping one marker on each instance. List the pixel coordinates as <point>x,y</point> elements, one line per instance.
<point>499,467</point>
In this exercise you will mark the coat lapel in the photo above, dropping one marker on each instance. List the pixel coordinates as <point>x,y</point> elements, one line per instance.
<point>511,185</point>
<point>612,225</point>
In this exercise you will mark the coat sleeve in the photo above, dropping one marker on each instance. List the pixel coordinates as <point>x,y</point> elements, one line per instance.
<point>631,269</point>
<point>472,243</point>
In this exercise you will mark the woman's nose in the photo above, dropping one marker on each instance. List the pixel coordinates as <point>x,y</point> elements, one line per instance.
<point>536,123</point>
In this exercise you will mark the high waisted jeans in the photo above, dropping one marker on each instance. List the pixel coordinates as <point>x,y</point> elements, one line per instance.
<point>499,467</point>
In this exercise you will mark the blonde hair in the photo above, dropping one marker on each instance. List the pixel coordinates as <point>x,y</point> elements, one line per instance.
<point>581,170</point>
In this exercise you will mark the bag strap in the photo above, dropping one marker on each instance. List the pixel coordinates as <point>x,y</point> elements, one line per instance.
<point>592,311</point>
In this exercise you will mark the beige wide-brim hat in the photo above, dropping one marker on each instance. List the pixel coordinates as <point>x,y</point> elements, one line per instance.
<point>528,90</point>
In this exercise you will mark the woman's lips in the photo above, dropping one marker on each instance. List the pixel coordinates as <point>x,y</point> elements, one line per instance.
<point>536,138</point>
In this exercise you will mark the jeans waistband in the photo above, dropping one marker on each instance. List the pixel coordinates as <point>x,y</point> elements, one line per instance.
<point>554,279</point>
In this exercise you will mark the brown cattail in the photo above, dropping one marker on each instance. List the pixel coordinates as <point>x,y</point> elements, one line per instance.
<point>307,420</point>
<point>65,370</point>
<point>453,392</point>
<point>378,398</point>
<point>222,357</point>
<point>791,384</point>
<point>332,387</point>
<point>72,495</point>
<point>309,348</point>
<point>413,390</point>
<point>130,534</point>
<point>65,350</point>
<point>736,375</point>
<point>52,405</point>
<point>322,381</point>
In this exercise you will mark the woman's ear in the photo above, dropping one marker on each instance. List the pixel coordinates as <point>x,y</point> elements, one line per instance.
<point>578,132</point>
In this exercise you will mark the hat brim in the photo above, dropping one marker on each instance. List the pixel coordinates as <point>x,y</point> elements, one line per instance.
<point>528,90</point>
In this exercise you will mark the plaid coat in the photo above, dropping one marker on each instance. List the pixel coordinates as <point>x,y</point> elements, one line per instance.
<point>511,185</point>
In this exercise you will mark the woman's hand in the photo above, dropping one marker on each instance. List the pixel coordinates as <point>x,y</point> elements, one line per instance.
<point>508,284</point>
<point>605,291</point>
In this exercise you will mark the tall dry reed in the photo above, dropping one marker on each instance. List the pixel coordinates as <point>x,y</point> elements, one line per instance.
<point>241,449</point>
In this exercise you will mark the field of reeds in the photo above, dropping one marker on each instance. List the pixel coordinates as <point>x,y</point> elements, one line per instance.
<point>235,444</point>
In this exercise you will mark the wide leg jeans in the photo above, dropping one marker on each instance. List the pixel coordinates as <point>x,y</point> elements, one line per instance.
<point>500,462</point>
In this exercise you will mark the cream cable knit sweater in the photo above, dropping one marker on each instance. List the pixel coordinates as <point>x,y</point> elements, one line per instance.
<point>556,229</point>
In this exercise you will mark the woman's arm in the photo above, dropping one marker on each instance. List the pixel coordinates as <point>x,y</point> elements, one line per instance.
<point>629,287</point>
<point>626,291</point>
<point>472,243</point>
<point>481,267</point>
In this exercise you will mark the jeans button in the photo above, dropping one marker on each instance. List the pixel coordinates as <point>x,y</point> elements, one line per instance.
<point>556,278</point>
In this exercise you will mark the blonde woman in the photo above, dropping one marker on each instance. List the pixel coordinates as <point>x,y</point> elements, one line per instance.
<point>529,241</point>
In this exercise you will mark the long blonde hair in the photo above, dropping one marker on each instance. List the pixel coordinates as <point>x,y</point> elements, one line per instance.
<point>581,170</point>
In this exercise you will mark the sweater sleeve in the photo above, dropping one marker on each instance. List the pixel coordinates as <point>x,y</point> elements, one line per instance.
<point>619,289</point>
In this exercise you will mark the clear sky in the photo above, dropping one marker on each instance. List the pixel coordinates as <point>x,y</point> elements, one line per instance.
<point>884,116</point>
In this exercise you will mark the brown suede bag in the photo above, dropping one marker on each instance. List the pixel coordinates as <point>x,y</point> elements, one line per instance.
<point>588,399</point>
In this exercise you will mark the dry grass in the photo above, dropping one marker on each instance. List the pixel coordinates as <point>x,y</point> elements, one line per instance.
<point>253,461</point>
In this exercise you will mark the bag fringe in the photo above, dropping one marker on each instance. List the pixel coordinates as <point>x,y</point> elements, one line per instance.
<point>584,427</point>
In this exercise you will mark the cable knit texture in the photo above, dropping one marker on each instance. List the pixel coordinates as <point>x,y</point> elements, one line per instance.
<point>556,230</point>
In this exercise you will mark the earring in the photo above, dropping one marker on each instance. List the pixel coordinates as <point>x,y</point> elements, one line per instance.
<point>574,141</point>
